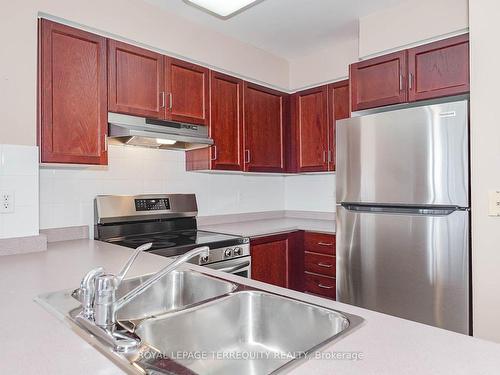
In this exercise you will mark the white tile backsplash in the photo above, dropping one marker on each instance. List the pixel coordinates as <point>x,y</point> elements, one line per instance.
<point>312,192</point>
<point>19,175</point>
<point>66,194</point>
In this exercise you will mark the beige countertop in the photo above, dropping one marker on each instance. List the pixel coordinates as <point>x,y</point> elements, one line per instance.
<point>261,227</point>
<point>36,342</point>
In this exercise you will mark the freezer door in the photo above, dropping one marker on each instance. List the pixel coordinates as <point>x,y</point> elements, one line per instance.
<point>414,266</point>
<point>413,156</point>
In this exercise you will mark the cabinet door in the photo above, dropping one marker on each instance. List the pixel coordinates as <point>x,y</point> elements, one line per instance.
<point>270,260</point>
<point>226,121</point>
<point>310,129</point>
<point>379,81</point>
<point>264,123</point>
<point>338,109</point>
<point>439,69</point>
<point>136,83</point>
<point>72,95</point>
<point>187,88</point>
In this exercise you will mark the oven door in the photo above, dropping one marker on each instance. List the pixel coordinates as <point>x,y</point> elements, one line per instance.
<point>239,266</point>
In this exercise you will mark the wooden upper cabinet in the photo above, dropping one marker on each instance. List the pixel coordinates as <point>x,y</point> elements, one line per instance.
<point>338,109</point>
<point>439,69</point>
<point>187,87</point>
<point>378,82</point>
<point>265,116</point>
<point>72,95</point>
<point>226,124</point>
<point>310,129</point>
<point>136,80</point>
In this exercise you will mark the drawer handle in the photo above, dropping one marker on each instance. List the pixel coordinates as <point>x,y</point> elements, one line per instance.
<point>325,265</point>
<point>325,286</point>
<point>325,244</point>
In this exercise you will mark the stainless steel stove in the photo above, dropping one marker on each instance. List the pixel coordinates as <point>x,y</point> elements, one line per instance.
<point>169,222</point>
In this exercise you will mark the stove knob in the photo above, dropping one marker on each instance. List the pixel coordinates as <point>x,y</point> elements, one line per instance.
<point>238,251</point>
<point>228,253</point>
<point>204,259</point>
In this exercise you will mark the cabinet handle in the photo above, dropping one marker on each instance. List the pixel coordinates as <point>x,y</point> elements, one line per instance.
<point>325,265</point>
<point>162,100</point>
<point>410,81</point>
<point>400,82</point>
<point>325,286</point>
<point>214,147</point>
<point>325,156</point>
<point>170,101</point>
<point>105,143</point>
<point>247,156</point>
<point>325,244</point>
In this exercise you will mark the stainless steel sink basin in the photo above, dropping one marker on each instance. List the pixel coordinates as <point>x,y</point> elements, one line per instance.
<point>175,291</point>
<point>248,332</point>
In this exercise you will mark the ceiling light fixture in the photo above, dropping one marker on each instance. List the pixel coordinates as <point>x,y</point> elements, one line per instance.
<point>223,8</point>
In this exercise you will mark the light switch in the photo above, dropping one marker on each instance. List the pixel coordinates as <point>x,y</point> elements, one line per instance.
<point>494,204</point>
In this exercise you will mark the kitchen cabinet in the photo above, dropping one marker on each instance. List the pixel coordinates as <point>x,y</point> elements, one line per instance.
<point>439,69</point>
<point>136,81</point>
<point>319,264</point>
<point>278,259</point>
<point>378,82</point>
<point>310,129</point>
<point>426,72</point>
<point>265,120</point>
<point>338,109</point>
<point>72,95</point>
<point>314,114</point>
<point>225,127</point>
<point>187,88</point>
<point>148,84</point>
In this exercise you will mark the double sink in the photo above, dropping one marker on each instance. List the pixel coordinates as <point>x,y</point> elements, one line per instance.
<point>192,323</point>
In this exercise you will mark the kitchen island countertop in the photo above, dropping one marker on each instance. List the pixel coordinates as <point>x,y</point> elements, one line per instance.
<point>36,342</point>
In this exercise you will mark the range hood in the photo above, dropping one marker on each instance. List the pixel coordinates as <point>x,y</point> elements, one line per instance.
<point>153,133</point>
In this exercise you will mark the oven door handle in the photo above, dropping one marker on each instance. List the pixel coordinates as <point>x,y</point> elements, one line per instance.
<point>234,268</point>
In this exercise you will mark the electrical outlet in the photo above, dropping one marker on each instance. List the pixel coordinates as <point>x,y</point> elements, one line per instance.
<point>494,203</point>
<point>6,202</point>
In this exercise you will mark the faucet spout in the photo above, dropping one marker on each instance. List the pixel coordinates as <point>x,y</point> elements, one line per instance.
<point>201,251</point>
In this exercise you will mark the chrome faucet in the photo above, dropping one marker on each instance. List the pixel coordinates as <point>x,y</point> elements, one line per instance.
<point>97,293</point>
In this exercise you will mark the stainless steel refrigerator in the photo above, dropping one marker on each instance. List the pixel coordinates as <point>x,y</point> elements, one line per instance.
<point>403,213</point>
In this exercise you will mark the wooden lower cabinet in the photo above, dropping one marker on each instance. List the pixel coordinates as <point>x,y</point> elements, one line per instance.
<point>319,264</point>
<point>319,284</point>
<point>278,259</point>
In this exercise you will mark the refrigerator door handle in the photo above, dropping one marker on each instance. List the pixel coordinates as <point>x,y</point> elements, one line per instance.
<point>425,211</point>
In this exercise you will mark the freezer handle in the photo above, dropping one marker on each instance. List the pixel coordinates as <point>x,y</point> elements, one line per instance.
<point>407,210</point>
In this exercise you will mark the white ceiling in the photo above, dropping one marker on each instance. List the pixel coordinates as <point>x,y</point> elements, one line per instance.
<point>286,28</point>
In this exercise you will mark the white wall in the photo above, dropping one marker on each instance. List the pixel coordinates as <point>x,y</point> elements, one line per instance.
<point>313,192</point>
<point>411,22</point>
<point>134,20</point>
<point>485,158</point>
<point>19,175</point>
<point>327,64</point>
<point>66,194</point>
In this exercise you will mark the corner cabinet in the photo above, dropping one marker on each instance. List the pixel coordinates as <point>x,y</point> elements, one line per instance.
<point>72,95</point>
<point>314,114</point>
<point>278,259</point>
<point>426,72</point>
<point>264,120</point>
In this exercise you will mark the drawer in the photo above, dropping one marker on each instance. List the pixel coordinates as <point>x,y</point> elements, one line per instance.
<point>321,285</point>
<point>319,243</point>
<point>319,263</point>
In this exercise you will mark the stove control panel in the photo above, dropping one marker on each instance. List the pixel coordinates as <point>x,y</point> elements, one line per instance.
<point>225,253</point>
<point>159,204</point>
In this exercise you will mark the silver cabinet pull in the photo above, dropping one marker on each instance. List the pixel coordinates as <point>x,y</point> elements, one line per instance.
<point>325,265</point>
<point>325,244</point>
<point>214,157</point>
<point>410,81</point>
<point>325,286</point>
<point>247,156</point>
<point>401,82</point>
<point>170,101</point>
<point>162,99</point>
